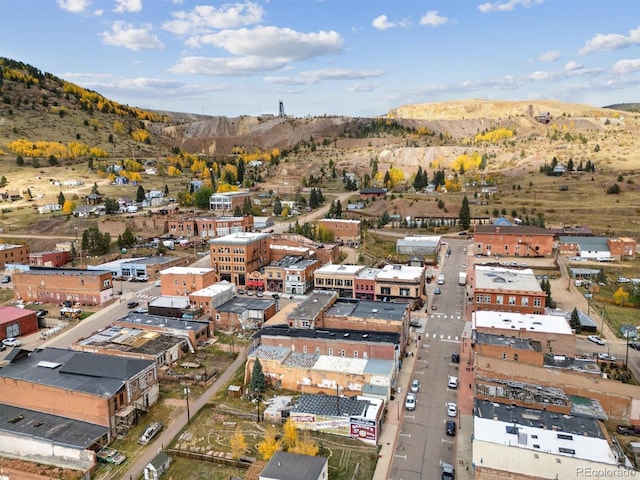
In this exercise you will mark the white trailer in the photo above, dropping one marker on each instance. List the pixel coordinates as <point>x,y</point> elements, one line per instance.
<point>462,278</point>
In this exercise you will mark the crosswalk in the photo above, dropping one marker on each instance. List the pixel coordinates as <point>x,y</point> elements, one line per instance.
<point>442,337</point>
<point>444,316</point>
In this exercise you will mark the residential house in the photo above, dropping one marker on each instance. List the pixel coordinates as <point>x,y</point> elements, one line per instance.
<point>372,193</point>
<point>228,201</point>
<point>157,466</point>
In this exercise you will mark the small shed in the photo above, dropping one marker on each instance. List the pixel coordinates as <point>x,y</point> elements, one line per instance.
<point>234,391</point>
<point>157,466</point>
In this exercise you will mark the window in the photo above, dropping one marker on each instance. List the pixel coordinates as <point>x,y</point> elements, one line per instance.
<point>537,302</point>
<point>355,354</point>
<point>512,300</point>
<point>318,350</point>
<point>478,298</point>
<point>331,351</point>
<point>499,299</point>
<point>487,299</point>
<point>506,248</point>
<point>504,356</point>
<point>570,451</point>
<point>385,290</point>
<point>304,349</point>
<point>217,317</point>
<point>515,357</point>
<point>342,353</point>
<point>405,292</point>
<point>524,301</point>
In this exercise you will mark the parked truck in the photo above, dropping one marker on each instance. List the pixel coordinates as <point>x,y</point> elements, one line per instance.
<point>462,278</point>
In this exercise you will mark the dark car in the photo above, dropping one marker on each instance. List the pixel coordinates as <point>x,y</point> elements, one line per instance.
<point>276,296</point>
<point>6,279</point>
<point>415,324</point>
<point>451,428</point>
<point>627,430</point>
<point>455,358</point>
<point>42,313</point>
<point>132,304</point>
<point>635,346</point>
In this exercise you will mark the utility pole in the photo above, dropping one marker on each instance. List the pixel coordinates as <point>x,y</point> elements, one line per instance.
<point>186,392</point>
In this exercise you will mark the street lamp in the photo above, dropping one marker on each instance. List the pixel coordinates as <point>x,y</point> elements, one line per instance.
<point>186,392</point>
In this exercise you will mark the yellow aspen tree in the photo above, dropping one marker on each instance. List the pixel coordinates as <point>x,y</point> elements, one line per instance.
<point>305,446</point>
<point>620,296</point>
<point>289,434</point>
<point>68,207</point>
<point>269,446</point>
<point>238,444</point>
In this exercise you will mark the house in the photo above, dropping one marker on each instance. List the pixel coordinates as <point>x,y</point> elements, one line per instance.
<point>228,200</point>
<point>373,193</point>
<point>157,466</point>
<point>15,322</point>
<point>55,258</point>
<point>294,466</point>
<point>559,170</point>
<point>52,207</point>
<point>93,199</point>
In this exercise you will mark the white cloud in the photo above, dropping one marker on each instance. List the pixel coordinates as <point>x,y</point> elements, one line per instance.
<point>625,67</point>
<point>506,6</point>
<point>572,66</point>
<point>433,19</point>
<point>128,6</point>
<point>550,56</point>
<point>611,41</point>
<point>383,23</point>
<point>205,18</point>
<point>74,6</point>
<point>312,77</point>
<point>362,87</point>
<point>225,66</point>
<point>280,44</point>
<point>123,34</point>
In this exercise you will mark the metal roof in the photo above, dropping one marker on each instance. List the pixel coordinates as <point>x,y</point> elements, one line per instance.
<point>294,466</point>
<point>329,333</point>
<point>330,406</point>
<point>242,304</point>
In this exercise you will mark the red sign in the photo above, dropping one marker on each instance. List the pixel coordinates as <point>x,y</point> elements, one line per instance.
<point>364,430</point>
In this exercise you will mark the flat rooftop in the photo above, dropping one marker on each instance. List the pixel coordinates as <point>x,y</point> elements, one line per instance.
<point>350,335</point>
<point>49,428</point>
<point>486,319</point>
<point>240,305</point>
<point>170,301</point>
<point>186,271</point>
<point>332,406</point>
<point>240,238</point>
<point>131,340</point>
<point>337,269</point>
<point>313,305</point>
<point>400,272</point>
<point>214,289</point>
<point>338,220</point>
<point>163,322</point>
<point>72,272</point>
<point>368,309</point>
<point>368,273</point>
<point>510,342</point>
<point>505,279</point>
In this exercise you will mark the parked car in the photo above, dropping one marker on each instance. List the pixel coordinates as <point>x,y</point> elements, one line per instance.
<point>455,358</point>
<point>42,313</point>
<point>410,402</point>
<point>623,280</point>
<point>132,304</point>
<point>635,346</point>
<point>607,357</point>
<point>11,342</point>
<point>450,428</point>
<point>448,473</point>
<point>415,385</point>
<point>452,409</point>
<point>141,310</point>
<point>158,283</point>
<point>275,296</point>
<point>596,339</point>
<point>628,430</point>
<point>453,382</point>
<point>259,294</point>
<point>150,432</point>
<point>415,324</point>
<point>437,291</point>
<point>109,455</point>
<point>240,291</point>
<point>6,279</point>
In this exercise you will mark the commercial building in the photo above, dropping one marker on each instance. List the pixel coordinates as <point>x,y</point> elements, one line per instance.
<point>339,278</point>
<point>15,322</point>
<point>185,280</point>
<point>345,231</point>
<point>512,241</point>
<point>364,283</point>
<point>81,386</point>
<point>507,290</point>
<point>54,258</point>
<point>552,332</point>
<point>212,296</point>
<point>234,256</point>
<point>149,267</point>
<point>13,254</point>
<point>56,285</point>
<point>243,313</point>
<point>421,245</point>
<point>227,201</point>
<point>289,244</point>
<point>195,331</point>
<point>212,227</point>
<point>292,275</point>
<point>401,283</point>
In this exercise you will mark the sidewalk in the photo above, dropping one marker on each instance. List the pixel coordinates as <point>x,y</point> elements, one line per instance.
<point>395,412</point>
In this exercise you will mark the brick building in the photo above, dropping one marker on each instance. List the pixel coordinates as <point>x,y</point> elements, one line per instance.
<point>228,201</point>
<point>552,332</point>
<point>243,313</point>
<point>515,349</point>
<point>373,193</point>
<point>512,241</point>
<point>55,285</point>
<point>185,280</point>
<point>54,258</point>
<point>507,290</point>
<point>15,322</point>
<point>212,296</point>
<point>344,231</point>
<point>213,227</point>
<point>401,283</point>
<point>195,331</point>
<point>623,248</point>
<point>337,277</point>
<point>234,256</point>
<point>282,245</point>
<point>364,283</point>
<point>291,275</point>
<point>79,385</point>
<point>182,227</point>
<point>13,254</point>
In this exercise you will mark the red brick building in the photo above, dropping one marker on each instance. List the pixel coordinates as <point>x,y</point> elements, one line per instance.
<point>344,231</point>
<point>623,248</point>
<point>513,241</point>
<point>234,256</point>
<point>182,227</point>
<point>55,285</point>
<point>54,258</point>
<point>364,284</point>
<point>13,254</point>
<point>507,290</point>
<point>185,280</point>
<point>288,244</point>
<point>16,322</point>
<point>214,227</point>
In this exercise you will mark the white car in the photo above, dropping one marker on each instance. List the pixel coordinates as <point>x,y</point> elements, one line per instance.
<point>606,356</point>
<point>410,403</point>
<point>11,342</point>
<point>452,409</point>
<point>415,385</point>
<point>453,382</point>
<point>596,339</point>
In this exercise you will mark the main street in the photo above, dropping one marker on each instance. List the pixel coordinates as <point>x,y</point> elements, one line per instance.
<point>422,443</point>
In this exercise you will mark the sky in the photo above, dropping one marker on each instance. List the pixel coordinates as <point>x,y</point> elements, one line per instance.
<point>356,58</point>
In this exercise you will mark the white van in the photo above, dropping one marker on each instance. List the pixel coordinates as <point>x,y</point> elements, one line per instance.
<point>440,279</point>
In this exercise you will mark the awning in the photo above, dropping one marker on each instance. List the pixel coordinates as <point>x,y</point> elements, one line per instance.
<point>255,283</point>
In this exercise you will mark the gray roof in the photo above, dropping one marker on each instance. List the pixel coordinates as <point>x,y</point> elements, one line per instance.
<point>242,304</point>
<point>294,466</point>
<point>95,374</point>
<point>159,460</point>
<point>49,428</point>
<point>369,309</point>
<point>576,425</point>
<point>513,229</point>
<point>330,405</point>
<point>310,308</point>
<point>508,342</point>
<point>329,333</point>
<point>157,259</point>
<point>76,272</point>
<point>587,243</point>
<point>140,319</point>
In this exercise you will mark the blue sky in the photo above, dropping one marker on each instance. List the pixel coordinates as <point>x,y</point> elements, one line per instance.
<point>334,57</point>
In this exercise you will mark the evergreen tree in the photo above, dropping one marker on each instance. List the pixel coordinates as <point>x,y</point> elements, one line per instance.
<point>277,207</point>
<point>111,206</point>
<point>61,198</point>
<point>257,383</point>
<point>241,169</point>
<point>465,214</point>
<point>202,197</point>
<point>166,189</point>
<point>3,182</point>
<point>140,194</point>
<point>94,189</point>
<point>575,320</point>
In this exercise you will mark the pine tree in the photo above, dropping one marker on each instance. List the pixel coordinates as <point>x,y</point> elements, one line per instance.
<point>140,194</point>
<point>575,320</point>
<point>465,214</point>
<point>61,198</point>
<point>257,383</point>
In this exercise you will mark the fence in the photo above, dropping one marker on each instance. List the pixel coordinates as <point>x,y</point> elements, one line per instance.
<point>220,458</point>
